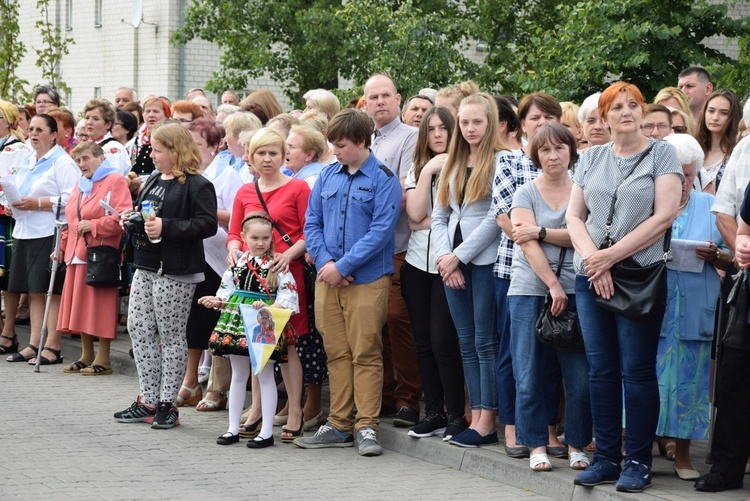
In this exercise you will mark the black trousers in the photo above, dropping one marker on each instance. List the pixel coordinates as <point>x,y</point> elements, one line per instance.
<point>731,442</point>
<point>438,352</point>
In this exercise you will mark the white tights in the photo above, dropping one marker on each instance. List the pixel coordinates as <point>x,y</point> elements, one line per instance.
<point>237,391</point>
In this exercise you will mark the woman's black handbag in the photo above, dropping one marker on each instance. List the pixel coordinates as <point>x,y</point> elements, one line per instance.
<point>103,266</point>
<point>638,289</point>
<point>103,263</point>
<point>562,332</point>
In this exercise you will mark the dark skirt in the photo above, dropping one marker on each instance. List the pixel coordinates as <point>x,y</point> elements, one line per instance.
<point>30,270</point>
<point>202,320</point>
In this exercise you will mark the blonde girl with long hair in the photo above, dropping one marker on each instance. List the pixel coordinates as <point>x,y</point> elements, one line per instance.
<point>467,239</point>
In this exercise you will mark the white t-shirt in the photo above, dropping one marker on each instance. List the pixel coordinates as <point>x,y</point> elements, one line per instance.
<point>226,182</point>
<point>421,252</point>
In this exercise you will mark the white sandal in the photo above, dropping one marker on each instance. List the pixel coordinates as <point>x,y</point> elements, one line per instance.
<point>578,457</point>
<point>537,460</point>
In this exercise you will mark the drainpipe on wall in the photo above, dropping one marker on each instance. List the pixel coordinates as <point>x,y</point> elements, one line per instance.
<point>181,83</point>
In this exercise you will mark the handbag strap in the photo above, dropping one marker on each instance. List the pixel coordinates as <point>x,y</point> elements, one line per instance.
<point>610,217</point>
<point>563,250</point>
<point>286,238</point>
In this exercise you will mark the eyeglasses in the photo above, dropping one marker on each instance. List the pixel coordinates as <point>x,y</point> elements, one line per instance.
<point>119,123</point>
<point>184,120</point>
<point>43,102</point>
<point>82,137</point>
<point>679,129</point>
<point>650,127</point>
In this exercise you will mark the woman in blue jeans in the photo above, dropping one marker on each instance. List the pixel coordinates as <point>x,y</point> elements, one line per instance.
<point>466,239</point>
<point>540,205</point>
<point>621,352</point>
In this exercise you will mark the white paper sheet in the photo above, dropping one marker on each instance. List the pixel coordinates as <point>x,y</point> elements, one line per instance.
<point>10,189</point>
<point>215,249</point>
<point>684,257</point>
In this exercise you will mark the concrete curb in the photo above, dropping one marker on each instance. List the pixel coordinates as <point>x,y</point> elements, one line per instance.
<point>491,463</point>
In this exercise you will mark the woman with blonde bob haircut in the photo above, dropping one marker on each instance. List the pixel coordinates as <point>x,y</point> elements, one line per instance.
<point>167,255</point>
<point>467,238</point>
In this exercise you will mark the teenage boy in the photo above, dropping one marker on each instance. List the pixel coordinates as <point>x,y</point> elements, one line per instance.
<point>349,230</point>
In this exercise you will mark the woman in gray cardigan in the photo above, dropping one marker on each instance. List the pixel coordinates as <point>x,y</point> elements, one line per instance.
<point>467,238</point>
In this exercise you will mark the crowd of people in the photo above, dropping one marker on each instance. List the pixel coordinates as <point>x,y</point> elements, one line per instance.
<point>415,243</point>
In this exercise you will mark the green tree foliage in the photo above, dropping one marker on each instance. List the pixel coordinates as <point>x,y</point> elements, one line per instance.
<point>417,44</point>
<point>12,51</point>
<point>294,41</point>
<point>573,49</point>
<point>310,44</point>
<point>569,49</point>
<point>54,46</point>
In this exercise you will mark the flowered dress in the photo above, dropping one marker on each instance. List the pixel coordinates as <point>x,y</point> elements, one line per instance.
<point>684,353</point>
<point>240,285</point>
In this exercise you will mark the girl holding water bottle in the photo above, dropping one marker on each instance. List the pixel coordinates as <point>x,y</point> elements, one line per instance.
<point>178,209</point>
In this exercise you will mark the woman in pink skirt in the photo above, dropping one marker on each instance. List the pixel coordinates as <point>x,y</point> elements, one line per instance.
<point>85,310</point>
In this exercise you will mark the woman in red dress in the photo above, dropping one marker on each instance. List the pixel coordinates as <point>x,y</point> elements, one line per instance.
<point>285,200</point>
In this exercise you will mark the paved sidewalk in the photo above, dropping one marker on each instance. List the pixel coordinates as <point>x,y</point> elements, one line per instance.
<point>434,470</point>
<point>59,441</point>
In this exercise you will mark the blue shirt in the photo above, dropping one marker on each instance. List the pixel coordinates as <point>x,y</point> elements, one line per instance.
<point>235,162</point>
<point>351,220</point>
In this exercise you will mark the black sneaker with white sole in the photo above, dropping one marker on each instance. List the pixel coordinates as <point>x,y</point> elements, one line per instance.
<point>456,425</point>
<point>434,423</point>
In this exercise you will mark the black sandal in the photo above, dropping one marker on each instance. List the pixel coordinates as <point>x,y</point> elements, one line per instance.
<point>47,361</point>
<point>75,367</point>
<point>19,357</point>
<point>13,348</point>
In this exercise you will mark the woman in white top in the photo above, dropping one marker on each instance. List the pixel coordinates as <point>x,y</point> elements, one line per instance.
<point>100,116</point>
<point>717,135</point>
<point>12,152</point>
<point>44,181</point>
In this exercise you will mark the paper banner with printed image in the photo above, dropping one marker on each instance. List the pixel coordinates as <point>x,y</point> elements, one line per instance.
<point>262,330</point>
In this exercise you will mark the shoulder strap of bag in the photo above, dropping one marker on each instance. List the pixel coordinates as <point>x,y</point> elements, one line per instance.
<point>610,217</point>
<point>286,238</point>
<point>560,261</point>
<point>614,195</point>
<point>78,210</point>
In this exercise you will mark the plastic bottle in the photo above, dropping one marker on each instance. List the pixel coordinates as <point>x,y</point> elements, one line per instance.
<point>148,213</point>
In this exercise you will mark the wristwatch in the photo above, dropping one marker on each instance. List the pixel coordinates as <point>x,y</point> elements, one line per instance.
<point>542,233</point>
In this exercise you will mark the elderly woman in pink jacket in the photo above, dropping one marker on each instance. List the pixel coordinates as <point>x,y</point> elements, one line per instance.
<point>85,310</point>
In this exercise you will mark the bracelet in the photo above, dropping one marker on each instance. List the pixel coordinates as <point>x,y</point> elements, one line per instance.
<point>40,203</point>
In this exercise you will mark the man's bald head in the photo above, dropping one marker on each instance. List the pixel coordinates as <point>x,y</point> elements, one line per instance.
<point>383,100</point>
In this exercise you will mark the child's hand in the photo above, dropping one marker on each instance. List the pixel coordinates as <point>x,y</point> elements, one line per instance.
<point>259,304</point>
<point>210,301</point>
